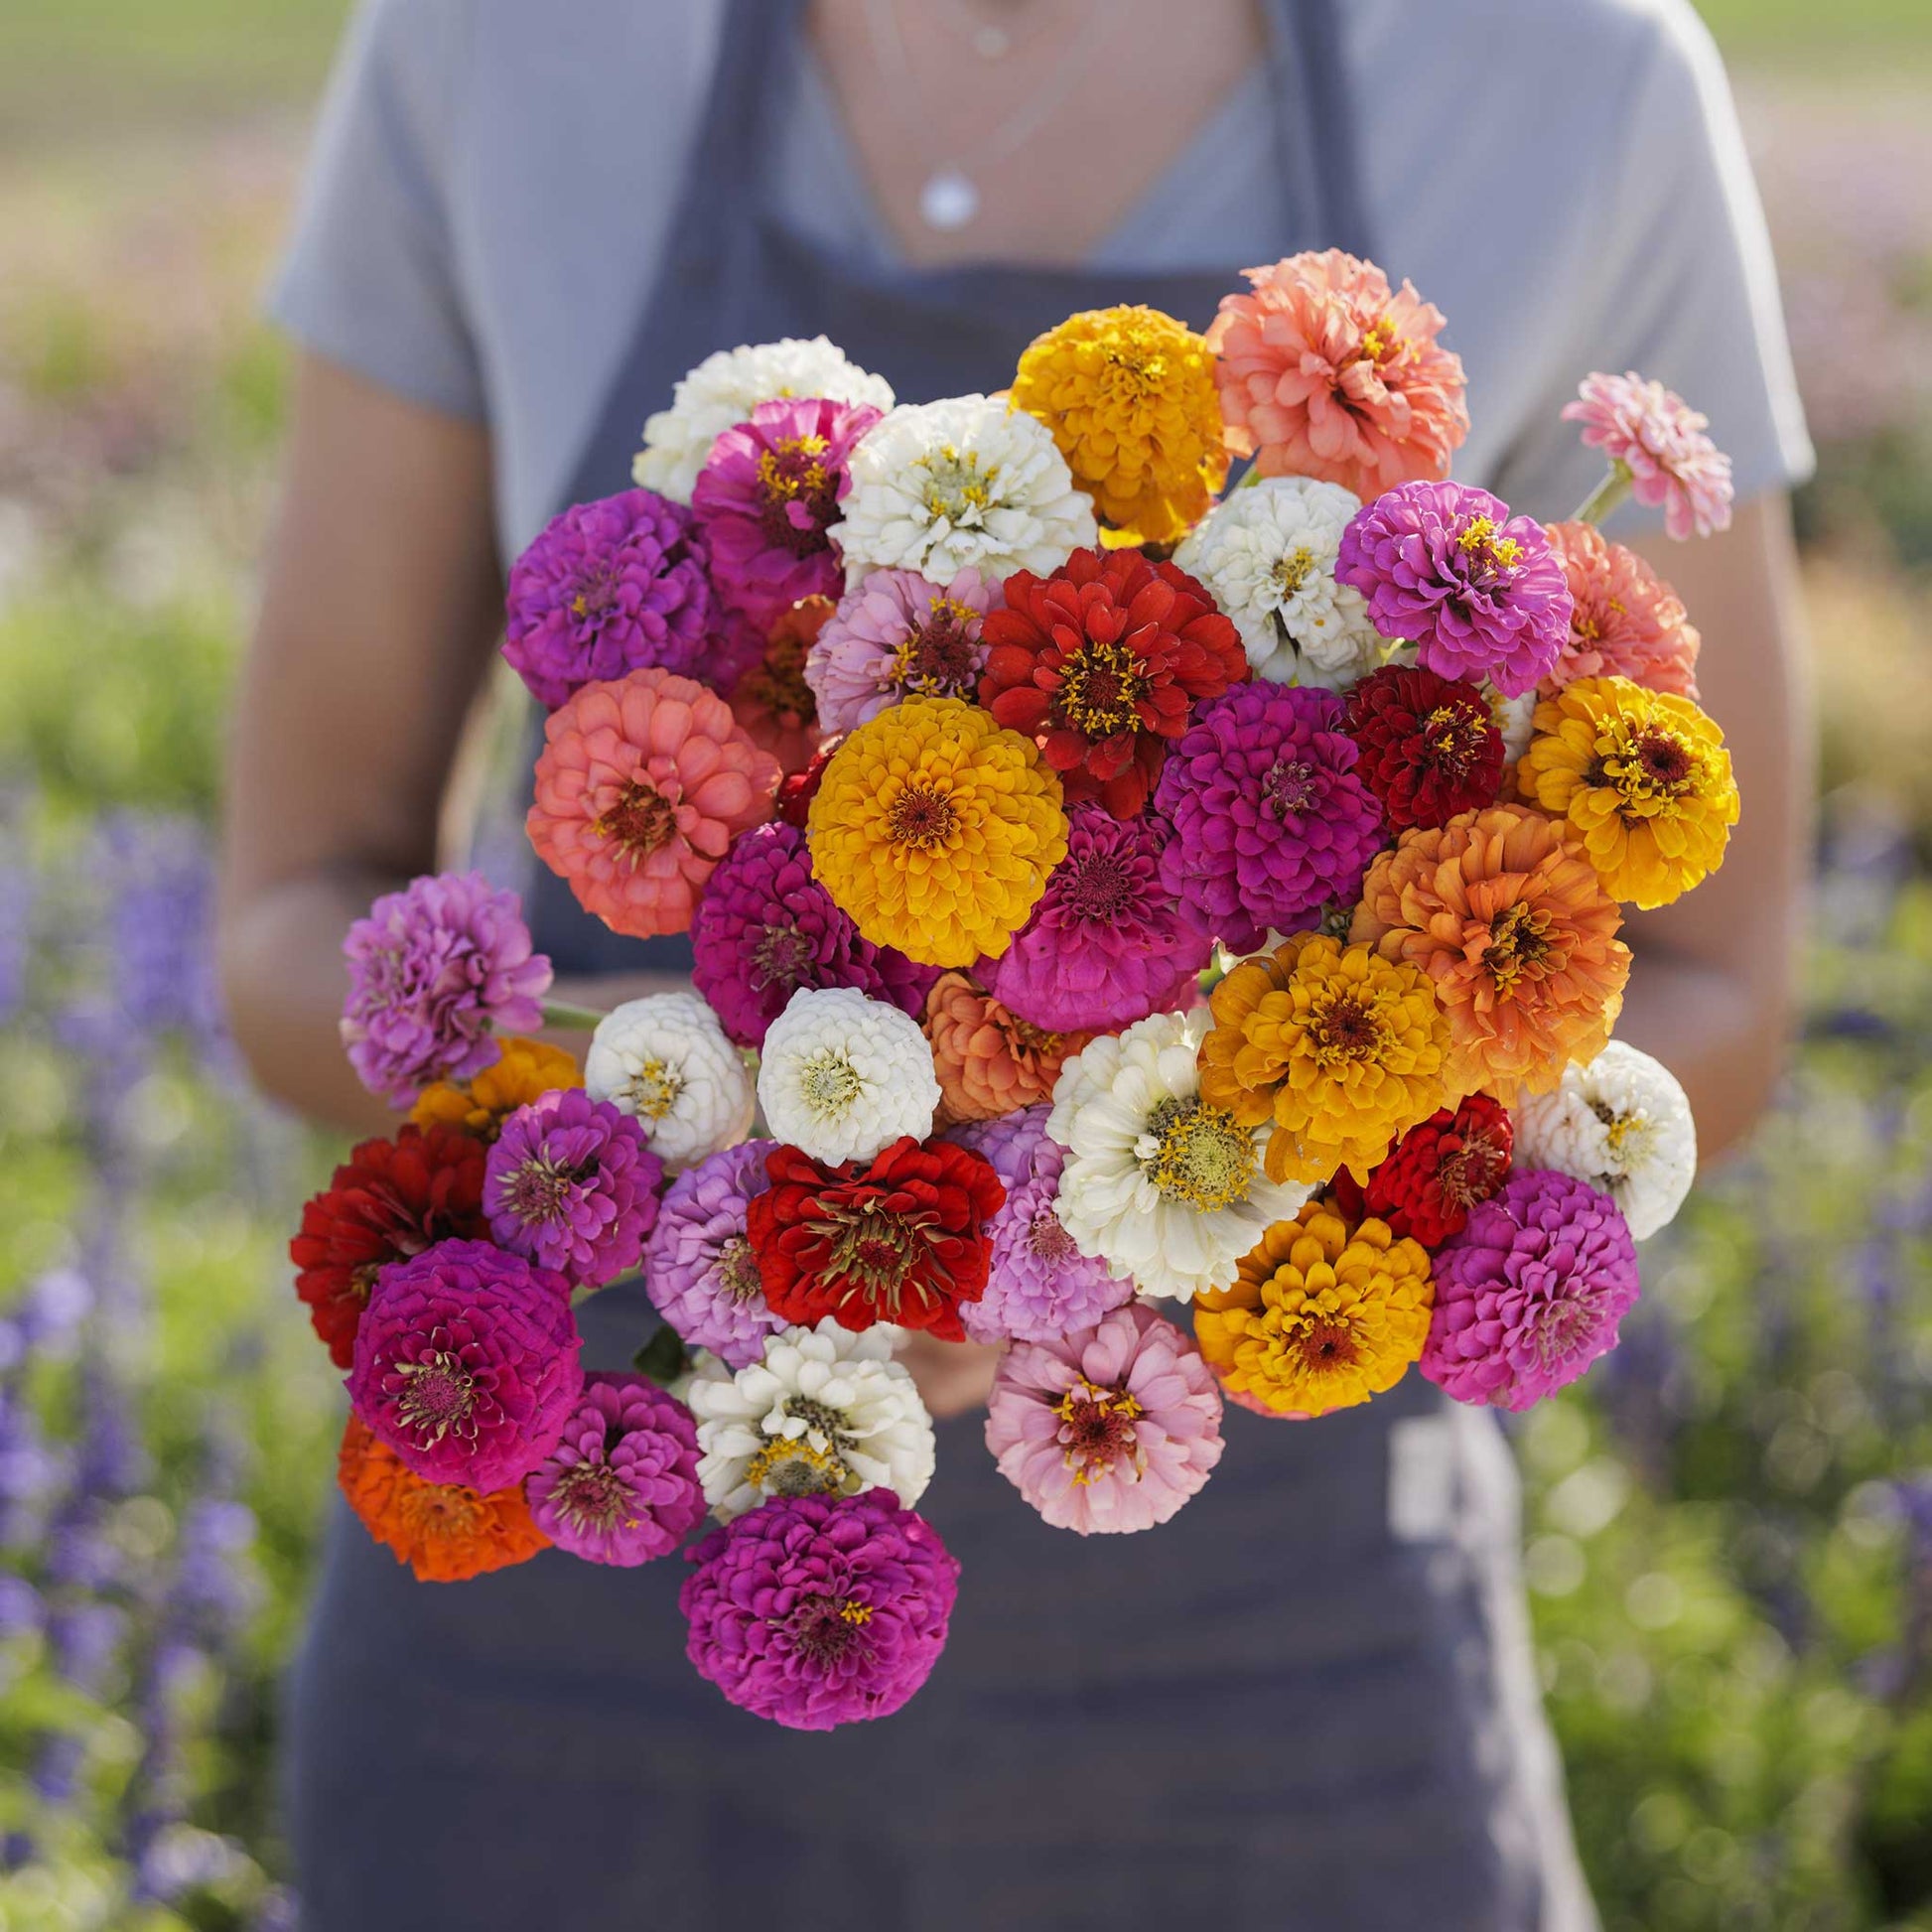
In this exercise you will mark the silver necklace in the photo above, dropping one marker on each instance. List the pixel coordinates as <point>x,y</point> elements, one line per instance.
<point>949,198</point>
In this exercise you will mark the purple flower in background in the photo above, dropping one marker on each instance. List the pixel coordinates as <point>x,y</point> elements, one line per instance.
<point>432,970</point>
<point>159,882</point>
<point>699,1269</point>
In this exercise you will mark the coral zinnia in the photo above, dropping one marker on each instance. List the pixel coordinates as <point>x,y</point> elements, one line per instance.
<point>1644,781</point>
<point>1506,915</point>
<point>388,1200</point>
<point>1100,664</point>
<point>699,1268</point>
<point>1341,1049</point>
<point>1321,1316</point>
<point>896,635</point>
<point>483,1103</point>
<point>1656,445</point>
<point>1624,620</point>
<point>935,830</point>
<point>1326,371</point>
<point>445,1532</point>
<point>1130,396</point>
<point>1434,1173</point>
<point>989,1061</point>
<point>1431,744</point>
<point>901,1238</point>
<point>640,786</point>
<point>770,699</point>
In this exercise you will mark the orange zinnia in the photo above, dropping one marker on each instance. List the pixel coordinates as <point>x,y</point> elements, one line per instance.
<point>482,1104</point>
<point>989,1061</point>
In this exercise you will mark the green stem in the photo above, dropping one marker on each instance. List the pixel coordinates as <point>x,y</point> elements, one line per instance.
<point>575,1019</point>
<point>1607,495</point>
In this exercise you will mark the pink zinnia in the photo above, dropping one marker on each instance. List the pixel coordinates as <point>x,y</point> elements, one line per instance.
<point>897,636</point>
<point>1112,1428</point>
<point>1325,371</point>
<point>1652,435</point>
<point>1625,620</point>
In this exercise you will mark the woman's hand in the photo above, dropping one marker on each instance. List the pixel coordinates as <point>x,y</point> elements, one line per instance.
<point>953,1376</point>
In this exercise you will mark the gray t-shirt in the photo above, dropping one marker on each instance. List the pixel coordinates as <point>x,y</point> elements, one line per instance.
<point>1564,178</point>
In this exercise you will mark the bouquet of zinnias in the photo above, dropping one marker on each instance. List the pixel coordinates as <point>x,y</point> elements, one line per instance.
<point>1109,903</point>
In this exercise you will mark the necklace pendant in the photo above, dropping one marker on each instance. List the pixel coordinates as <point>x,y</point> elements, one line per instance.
<point>948,201</point>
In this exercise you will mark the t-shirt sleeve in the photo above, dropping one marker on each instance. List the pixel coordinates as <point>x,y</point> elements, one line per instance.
<point>371,276</point>
<point>1683,288</point>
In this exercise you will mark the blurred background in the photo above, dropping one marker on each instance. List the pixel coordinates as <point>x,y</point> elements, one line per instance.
<point>1729,1526</point>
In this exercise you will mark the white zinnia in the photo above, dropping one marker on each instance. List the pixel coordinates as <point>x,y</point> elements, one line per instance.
<point>843,1076</point>
<point>667,1062</point>
<point>1156,1184</point>
<point>825,1412</point>
<point>726,387</point>
<point>1268,554</point>
<point>1515,719</point>
<point>942,486</point>
<point>1622,1124</point>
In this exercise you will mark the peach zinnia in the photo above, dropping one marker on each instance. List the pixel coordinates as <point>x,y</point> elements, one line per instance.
<point>989,1061</point>
<point>1509,920</point>
<point>1624,622</point>
<point>643,783</point>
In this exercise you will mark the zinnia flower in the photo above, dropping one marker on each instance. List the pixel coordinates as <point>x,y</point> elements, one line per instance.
<point>901,1239</point>
<point>824,1412</point>
<point>699,1269</point>
<point>1480,590</point>
<point>1007,1142</point>
<point>1129,394</point>
<point>607,588</point>
<point>1505,914</point>
<point>1656,445</point>
<point>818,1612</point>
<point>964,483</point>
<point>388,1200</point>
<point>935,830</point>
<point>445,1532</point>
<point>1159,1182</point>
<point>843,1076</point>
<point>1108,943</point>
<point>1621,1123</point>
<point>767,928</point>
<point>770,699</point>
<point>799,789</point>
<point>664,1061</point>
<point>989,1061</point>
<point>1341,1049</point>
<point>466,1363</point>
<point>1268,554</point>
<point>766,495</point>
<point>1112,1428</point>
<point>1270,820</point>
<point>1624,620</point>
<point>1530,1293</point>
<point>482,1104</point>
<point>1431,745</point>
<point>1326,371</point>
<point>727,386</point>
<point>1434,1173</point>
<point>572,1187</point>
<point>896,635</point>
<point>1100,665</point>
<point>622,1486</point>
<point>434,972</point>
<point>1321,1316</point>
<point>1644,781</point>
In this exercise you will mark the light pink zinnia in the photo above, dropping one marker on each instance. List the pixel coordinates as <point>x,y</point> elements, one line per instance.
<point>1325,371</point>
<point>1660,440</point>
<point>1112,1428</point>
<point>896,635</point>
<point>1625,621</point>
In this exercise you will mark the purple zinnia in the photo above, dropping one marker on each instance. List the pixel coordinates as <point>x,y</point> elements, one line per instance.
<point>1004,1143</point>
<point>699,1269</point>
<point>432,970</point>
<point>622,1486</point>
<point>768,495</point>
<point>612,586</point>
<point>1271,818</point>
<point>466,1363</point>
<point>1530,1293</point>
<point>570,1184</point>
<point>1108,943</point>
<point>820,1611</point>
<point>898,636</point>
<point>1445,566</point>
<point>766,927</point>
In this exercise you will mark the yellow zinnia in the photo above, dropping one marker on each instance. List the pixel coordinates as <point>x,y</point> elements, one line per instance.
<point>1344,1050</point>
<point>1319,1318</point>
<point>934,829</point>
<point>482,1104</point>
<point>1129,394</point>
<point>1644,779</point>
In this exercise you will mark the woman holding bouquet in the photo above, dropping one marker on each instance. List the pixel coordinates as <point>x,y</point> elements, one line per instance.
<point>1313,1703</point>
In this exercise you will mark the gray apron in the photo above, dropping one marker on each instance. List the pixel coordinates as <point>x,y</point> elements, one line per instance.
<point>1307,1702</point>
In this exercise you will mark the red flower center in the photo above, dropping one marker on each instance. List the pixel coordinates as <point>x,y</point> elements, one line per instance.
<point>1097,1430</point>
<point>1346,1030</point>
<point>1098,888</point>
<point>936,657</point>
<point>922,816</point>
<point>1472,1170</point>
<point>1665,760</point>
<point>879,1255</point>
<point>594,1498</point>
<point>437,1397</point>
<point>830,1631</point>
<point>640,822</point>
<point>1047,1239</point>
<point>1325,1344</point>
<point>1455,738</point>
<point>1287,789</point>
<point>780,956</point>
<point>1101,686</point>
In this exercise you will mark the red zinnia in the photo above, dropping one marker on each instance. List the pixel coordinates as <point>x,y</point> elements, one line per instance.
<point>390,1199</point>
<point>902,1238</point>
<point>1435,1174</point>
<point>1431,745</point>
<point>1100,664</point>
<point>797,789</point>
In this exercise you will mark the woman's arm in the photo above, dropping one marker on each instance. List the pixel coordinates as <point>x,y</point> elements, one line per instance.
<point>1713,992</point>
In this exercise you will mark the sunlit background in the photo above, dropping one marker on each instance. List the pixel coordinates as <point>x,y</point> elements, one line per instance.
<point>1729,1527</point>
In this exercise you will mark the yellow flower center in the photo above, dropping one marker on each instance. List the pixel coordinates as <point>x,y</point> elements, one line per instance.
<point>851,1611</point>
<point>1479,542</point>
<point>1519,946</point>
<point>1321,1341</point>
<point>1646,767</point>
<point>1200,1155</point>
<point>1342,1027</point>
<point>641,820</point>
<point>1100,687</point>
<point>935,659</point>
<point>923,816</point>
<point>957,490</point>
<point>1624,1134</point>
<point>1293,572</point>
<point>655,1088</point>
<point>791,1467</point>
<point>1378,341</point>
<point>791,467</point>
<point>1097,1430</point>
<point>1455,737</point>
<point>828,1084</point>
